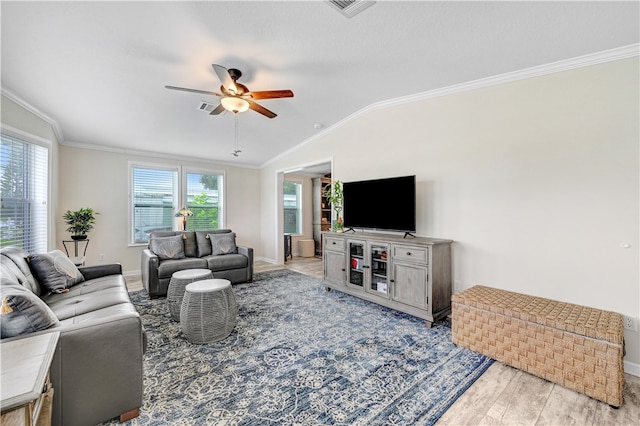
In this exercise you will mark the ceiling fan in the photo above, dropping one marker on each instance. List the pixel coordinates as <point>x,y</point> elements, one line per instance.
<point>237,97</point>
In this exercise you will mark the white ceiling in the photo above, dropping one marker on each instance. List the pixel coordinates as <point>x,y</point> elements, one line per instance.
<point>99,68</point>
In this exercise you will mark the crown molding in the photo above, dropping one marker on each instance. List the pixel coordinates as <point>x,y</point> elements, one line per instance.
<point>153,154</point>
<point>619,53</point>
<point>57,130</point>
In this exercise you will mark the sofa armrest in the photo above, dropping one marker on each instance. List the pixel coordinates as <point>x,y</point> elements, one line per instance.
<point>248,251</point>
<point>149,271</point>
<point>97,271</point>
<point>97,369</point>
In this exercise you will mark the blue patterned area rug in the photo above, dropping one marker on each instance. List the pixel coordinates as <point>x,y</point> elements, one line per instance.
<point>300,355</point>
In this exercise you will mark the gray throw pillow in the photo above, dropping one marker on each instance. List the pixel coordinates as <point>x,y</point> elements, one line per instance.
<point>223,243</point>
<point>203,242</point>
<point>54,271</point>
<point>190,245</point>
<point>22,312</point>
<point>168,247</point>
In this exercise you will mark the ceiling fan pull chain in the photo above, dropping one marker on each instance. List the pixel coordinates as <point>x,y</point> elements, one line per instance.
<point>236,150</point>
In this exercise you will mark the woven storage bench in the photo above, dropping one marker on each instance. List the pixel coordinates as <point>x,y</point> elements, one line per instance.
<point>575,346</point>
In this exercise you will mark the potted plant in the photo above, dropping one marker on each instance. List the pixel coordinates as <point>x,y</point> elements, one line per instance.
<point>80,222</point>
<point>333,193</point>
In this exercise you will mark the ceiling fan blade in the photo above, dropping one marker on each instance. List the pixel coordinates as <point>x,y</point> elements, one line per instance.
<point>271,94</point>
<point>225,78</point>
<point>217,110</point>
<point>262,110</point>
<point>184,89</point>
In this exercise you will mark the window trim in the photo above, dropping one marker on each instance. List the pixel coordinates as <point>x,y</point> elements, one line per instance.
<point>154,166</point>
<point>199,170</point>
<point>181,188</point>
<point>49,145</point>
<point>300,206</point>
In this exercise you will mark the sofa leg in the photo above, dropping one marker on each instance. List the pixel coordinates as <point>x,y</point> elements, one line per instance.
<point>131,414</point>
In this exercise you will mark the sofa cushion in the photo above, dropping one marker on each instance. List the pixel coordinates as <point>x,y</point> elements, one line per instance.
<point>168,267</point>
<point>227,262</point>
<point>113,311</point>
<point>168,247</point>
<point>54,271</point>
<point>22,312</point>
<point>67,305</point>
<point>223,243</point>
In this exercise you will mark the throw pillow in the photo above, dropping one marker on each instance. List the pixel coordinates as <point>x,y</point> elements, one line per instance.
<point>168,247</point>
<point>22,312</point>
<point>54,271</point>
<point>223,243</point>
<point>203,242</point>
<point>190,245</point>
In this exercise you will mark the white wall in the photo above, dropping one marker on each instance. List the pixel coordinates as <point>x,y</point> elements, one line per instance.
<point>99,179</point>
<point>535,180</point>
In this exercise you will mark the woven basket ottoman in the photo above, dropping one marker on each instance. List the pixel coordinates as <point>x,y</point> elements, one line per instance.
<point>574,346</point>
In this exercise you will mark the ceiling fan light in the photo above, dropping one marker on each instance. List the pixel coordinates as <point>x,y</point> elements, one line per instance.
<point>233,104</point>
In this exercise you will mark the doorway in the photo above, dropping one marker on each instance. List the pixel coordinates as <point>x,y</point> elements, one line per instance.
<point>309,201</point>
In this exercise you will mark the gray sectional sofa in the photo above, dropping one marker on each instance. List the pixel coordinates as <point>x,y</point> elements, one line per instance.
<point>97,368</point>
<point>171,251</point>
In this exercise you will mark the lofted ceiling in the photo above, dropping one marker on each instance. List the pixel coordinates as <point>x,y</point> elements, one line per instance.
<point>98,69</point>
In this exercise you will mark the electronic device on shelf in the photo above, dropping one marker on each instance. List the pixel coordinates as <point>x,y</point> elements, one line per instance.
<point>381,204</point>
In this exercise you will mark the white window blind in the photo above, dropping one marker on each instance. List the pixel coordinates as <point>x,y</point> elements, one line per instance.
<point>292,207</point>
<point>154,201</point>
<point>24,174</point>
<point>204,199</point>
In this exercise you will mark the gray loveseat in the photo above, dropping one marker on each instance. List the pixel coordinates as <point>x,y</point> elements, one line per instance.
<point>171,251</point>
<point>97,366</point>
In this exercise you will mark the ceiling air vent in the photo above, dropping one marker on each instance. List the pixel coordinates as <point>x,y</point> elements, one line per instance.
<point>206,106</point>
<point>350,8</point>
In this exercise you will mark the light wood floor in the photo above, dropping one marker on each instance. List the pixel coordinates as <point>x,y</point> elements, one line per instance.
<point>504,395</point>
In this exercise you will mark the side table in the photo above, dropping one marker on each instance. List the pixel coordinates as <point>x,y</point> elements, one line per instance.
<point>77,260</point>
<point>287,247</point>
<point>175,291</point>
<point>209,311</point>
<point>25,389</point>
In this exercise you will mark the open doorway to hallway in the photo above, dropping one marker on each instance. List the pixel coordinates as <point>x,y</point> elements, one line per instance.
<point>303,214</point>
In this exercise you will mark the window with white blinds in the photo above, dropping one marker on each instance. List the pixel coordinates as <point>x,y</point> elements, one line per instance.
<point>154,201</point>
<point>292,207</point>
<point>24,181</point>
<point>204,198</point>
<point>157,196</point>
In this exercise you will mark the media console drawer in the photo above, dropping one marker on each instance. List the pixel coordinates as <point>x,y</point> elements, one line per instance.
<point>334,244</point>
<point>410,253</point>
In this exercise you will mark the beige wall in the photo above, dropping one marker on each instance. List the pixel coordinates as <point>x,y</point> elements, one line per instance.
<point>535,180</point>
<point>99,179</point>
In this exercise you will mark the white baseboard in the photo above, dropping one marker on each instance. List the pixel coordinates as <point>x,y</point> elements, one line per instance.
<point>632,368</point>
<point>266,259</point>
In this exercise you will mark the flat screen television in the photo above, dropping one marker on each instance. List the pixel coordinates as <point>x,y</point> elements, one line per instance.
<point>381,204</point>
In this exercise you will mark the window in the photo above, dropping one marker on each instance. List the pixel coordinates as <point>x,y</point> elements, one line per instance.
<point>157,195</point>
<point>154,201</point>
<point>24,171</point>
<point>204,199</point>
<point>292,207</point>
